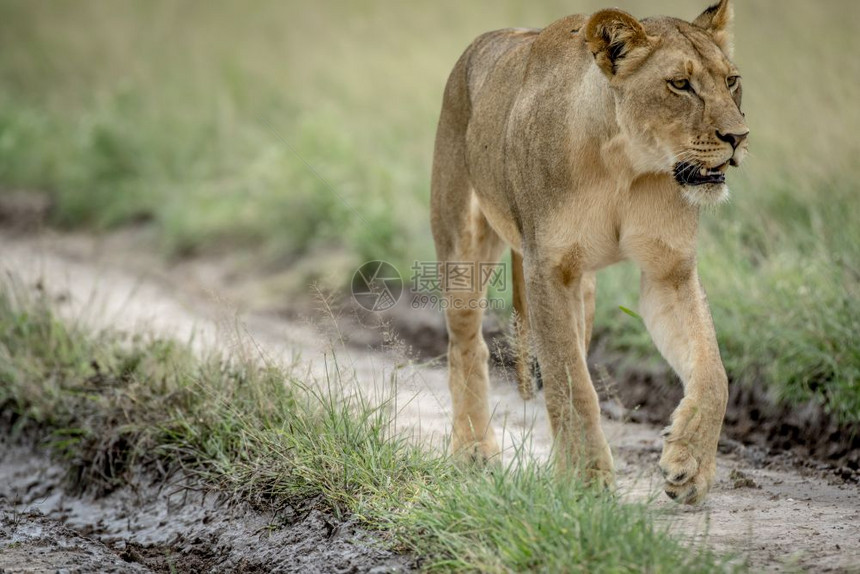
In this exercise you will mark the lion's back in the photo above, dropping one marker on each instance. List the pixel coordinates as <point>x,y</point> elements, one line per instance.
<point>504,51</point>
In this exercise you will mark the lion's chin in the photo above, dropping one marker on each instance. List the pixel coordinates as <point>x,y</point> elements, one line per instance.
<point>706,193</point>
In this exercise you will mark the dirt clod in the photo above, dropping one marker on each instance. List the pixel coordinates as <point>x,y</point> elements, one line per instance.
<point>741,480</point>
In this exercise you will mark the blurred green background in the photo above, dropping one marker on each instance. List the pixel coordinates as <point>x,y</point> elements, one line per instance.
<point>289,128</point>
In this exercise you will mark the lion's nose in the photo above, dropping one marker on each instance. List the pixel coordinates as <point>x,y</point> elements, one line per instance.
<point>733,139</point>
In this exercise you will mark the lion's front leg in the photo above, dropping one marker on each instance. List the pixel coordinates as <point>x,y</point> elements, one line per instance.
<point>556,293</point>
<point>676,313</point>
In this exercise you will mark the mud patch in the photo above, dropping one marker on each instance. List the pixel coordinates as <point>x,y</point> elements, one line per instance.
<point>155,526</point>
<point>31,542</point>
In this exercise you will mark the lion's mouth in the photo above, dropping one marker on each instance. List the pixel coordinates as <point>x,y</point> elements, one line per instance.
<point>692,174</point>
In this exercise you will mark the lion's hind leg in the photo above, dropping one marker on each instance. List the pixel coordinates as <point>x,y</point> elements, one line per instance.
<point>464,239</point>
<point>468,355</point>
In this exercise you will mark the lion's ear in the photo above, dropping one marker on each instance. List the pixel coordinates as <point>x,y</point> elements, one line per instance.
<point>717,20</point>
<point>617,40</point>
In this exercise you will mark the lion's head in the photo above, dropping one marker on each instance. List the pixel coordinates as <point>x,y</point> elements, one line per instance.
<point>677,93</point>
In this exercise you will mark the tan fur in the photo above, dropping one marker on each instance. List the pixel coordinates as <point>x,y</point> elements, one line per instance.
<point>562,143</point>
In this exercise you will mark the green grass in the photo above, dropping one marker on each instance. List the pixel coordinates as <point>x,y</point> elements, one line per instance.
<point>292,127</point>
<point>108,403</point>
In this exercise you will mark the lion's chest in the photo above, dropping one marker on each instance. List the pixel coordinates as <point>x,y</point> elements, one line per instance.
<point>586,226</point>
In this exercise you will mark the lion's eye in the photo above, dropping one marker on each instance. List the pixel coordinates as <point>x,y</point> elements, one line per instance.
<point>732,82</point>
<point>681,84</point>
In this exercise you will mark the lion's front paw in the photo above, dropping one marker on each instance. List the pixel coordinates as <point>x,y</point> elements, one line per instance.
<point>689,452</point>
<point>689,473</point>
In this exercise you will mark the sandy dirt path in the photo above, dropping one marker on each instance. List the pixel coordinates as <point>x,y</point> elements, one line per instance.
<point>776,518</point>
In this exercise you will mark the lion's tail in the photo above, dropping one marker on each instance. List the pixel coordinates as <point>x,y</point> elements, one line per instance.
<point>527,369</point>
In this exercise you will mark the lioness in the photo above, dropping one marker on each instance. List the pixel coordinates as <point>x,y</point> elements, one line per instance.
<point>591,141</point>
